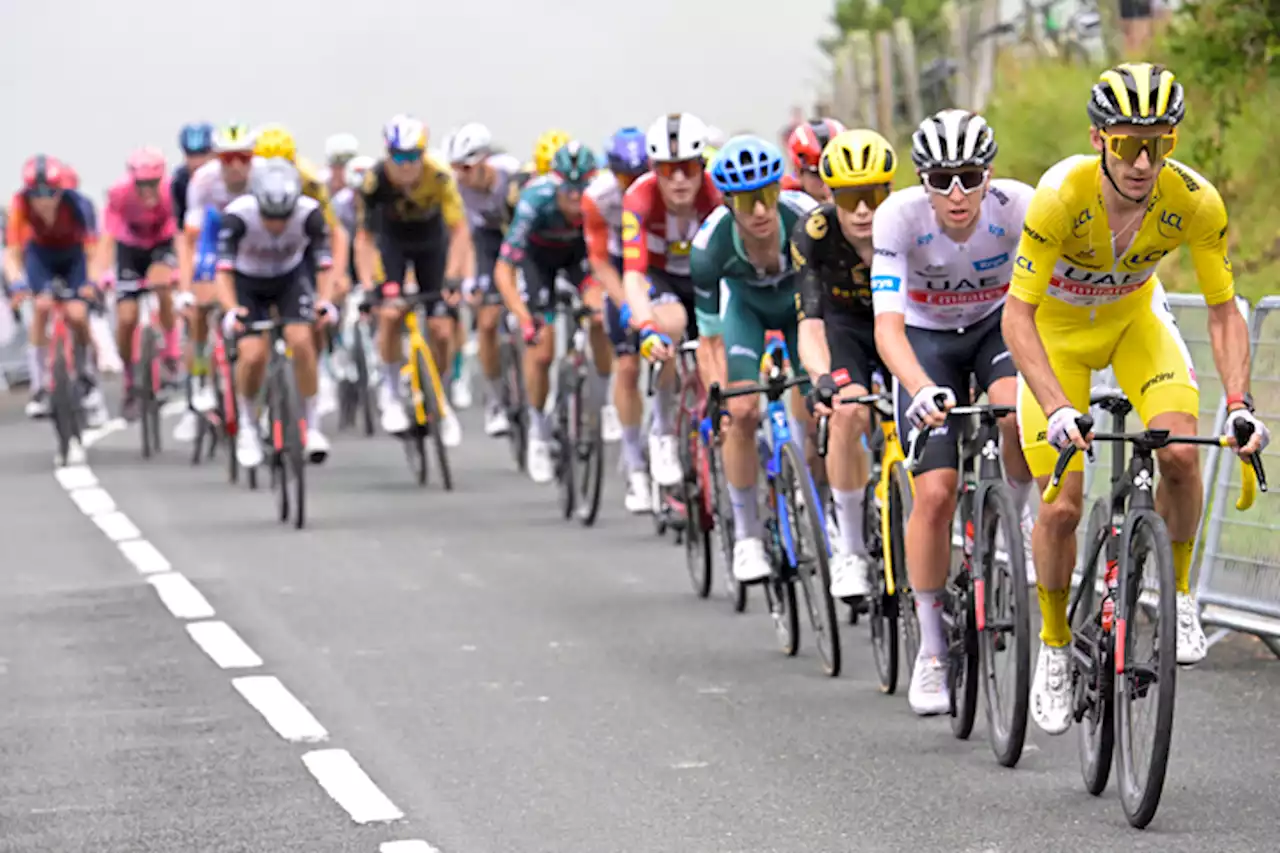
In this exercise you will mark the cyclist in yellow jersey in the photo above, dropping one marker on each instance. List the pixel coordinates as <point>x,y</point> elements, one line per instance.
<point>1085,296</point>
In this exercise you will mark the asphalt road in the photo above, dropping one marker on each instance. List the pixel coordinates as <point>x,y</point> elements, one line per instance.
<point>503,679</point>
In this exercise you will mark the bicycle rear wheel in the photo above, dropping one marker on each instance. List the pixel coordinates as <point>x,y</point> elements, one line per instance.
<point>1091,692</point>
<point>722,527</point>
<point>698,540</point>
<point>809,543</point>
<point>1003,601</point>
<point>434,418</point>
<point>780,585</point>
<point>900,504</point>
<point>962,654</point>
<point>1145,553</point>
<point>882,607</point>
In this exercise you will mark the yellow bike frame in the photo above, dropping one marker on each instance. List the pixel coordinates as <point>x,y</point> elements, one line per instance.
<point>418,346</point>
<point>893,454</point>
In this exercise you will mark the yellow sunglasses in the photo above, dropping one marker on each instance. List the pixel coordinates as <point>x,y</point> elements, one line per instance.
<point>745,202</point>
<point>1127,148</point>
<point>851,198</point>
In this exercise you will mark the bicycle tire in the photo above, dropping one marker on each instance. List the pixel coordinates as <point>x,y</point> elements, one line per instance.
<point>722,527</point>
<point>996,518</point>
<point>901,502</point>
<point>228,408</point>
<point>434,428</point>
<point>699,558</point>
<point>962,660</point>
<point>63,405</point>
<point>292,453</point>
<point>591,447</point>
<point>363,392</point>
<point>276,460</point>
<point>780,586</point>
<point>515,401</point>
<point>144,368</point>
<point>1095,724</point>
<point>1145,535</point>
<point>414,440</point>
<point>821,606</point>
<point>882,610</point>
<point>562,442</point>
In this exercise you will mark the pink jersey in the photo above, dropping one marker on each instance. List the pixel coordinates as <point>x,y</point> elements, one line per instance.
<point>134,223</point>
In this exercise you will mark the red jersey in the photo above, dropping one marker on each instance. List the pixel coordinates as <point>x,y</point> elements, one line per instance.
<point>72,225</point>
<point>792,182</point>
<point>654,238</point>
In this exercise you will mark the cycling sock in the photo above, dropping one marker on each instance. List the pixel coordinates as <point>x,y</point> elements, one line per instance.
<point>1053,612</point>
<point>391,378</point>
<point>632,449</point>
<point>312,407</point>
<point>245,404</point>
<point>35,366</point>
<point>849,511</point>
<point>538,423</point>
<point>933,638</point>
<point>663,399</point>
<point>1182,565</point>
<point>457,365</point>
<point>746,512</point>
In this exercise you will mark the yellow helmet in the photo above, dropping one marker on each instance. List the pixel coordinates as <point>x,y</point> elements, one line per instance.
<point>1136,93</point>
<point>274,141</point>
<point>546,147</point>
<point>709,155</point>
<point>857,158</point>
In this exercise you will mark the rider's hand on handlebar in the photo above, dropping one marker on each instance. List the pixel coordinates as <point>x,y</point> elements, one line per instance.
<point>1257,442</point>
<point>231,322</point>
<point>822,395</point>
<point>529,330</point>
<point>1063,430</point>
<point>654,345</point>
<point>929,406</point>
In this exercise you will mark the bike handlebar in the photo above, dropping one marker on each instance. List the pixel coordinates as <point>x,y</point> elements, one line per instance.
<point>916,443</point>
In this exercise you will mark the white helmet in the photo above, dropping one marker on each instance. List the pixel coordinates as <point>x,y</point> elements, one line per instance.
<point>357,167</point>
<point>716,138</point>
<point>469,143</point>
<point>675,137</point>
<point>340,147</point>
<point>953,139</point>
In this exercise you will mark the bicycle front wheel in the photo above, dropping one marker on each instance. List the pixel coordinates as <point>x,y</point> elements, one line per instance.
<point>434,418</point>
<point>900,504</point>
<point>515,401</point>
<point>698,541</point>
<point>566,434</point>
<point>1145,679</point>
<point>1091,695</point>
<point>722,524</point>
<point>291,456</point>
<point>145,383</point>
<point>589,447</point>
<point>1004,637</point>
<point>803,511</point>
<point>882,607</point>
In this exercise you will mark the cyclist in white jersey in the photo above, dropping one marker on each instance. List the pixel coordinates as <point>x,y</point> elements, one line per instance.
<point>943,258</point>
<point>211,187</point>
<point>484,182</point>
<point>265,241</point>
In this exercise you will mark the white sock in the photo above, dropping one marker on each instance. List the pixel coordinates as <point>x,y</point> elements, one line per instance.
<point>246,410</point>
<point>663,401</point>
<point>391,378</point>
<point>35,366</point>
<point>538,423</point>
<point>746,512</point>
<point>632,449</point>
<point>493,389</point>
<point>933,638</point>
<point>312,408</point>
<point>849,517</point>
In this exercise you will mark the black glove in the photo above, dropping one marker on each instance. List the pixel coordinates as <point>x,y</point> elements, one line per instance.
<point>824,391</point>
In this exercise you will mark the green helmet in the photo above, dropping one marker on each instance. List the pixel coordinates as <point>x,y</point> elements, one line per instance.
<point>574,163</point>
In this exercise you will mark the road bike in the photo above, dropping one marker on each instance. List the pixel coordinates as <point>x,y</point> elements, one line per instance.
<point>66,370</point>
<point>514,400</point>
<point>577,440</point>
<point>986,605</point>
<point>424,400</point>
<point>221,424</point>
<point>286,427</point>
<point>352,357</point>
<point>1128,578</point>
<point>148,375</point>
<point>795,537</point>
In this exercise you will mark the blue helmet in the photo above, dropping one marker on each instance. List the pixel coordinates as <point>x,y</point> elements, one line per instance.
<point>626,152</point>
<point>746,163</point>
<point>196,138</point>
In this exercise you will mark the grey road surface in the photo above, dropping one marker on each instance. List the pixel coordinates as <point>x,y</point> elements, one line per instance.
<point>510,681</point>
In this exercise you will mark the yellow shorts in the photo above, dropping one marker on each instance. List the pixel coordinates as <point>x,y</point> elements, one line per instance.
<point>1144,349</point>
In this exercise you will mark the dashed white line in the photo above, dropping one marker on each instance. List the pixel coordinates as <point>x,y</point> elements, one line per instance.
<point>340,775</point>
<point>284,713</point>
<point>116,525</point>
<point>93,500</point>
<point>75,477</point>
<point>220,642</point>
<point>144,556</point>
<point>414,846</point>
<point>183,600</point>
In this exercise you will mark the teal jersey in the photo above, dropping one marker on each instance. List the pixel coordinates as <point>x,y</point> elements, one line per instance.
<point>718,252</point>
<point>539,223</point>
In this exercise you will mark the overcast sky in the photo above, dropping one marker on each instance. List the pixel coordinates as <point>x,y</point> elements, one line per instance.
<point>88,80</point>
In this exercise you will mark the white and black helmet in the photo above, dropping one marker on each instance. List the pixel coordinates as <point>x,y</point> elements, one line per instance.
<point>676,137</point>
<point>470,143</point>
<point>953,139</point>
<point>340,148</point>
<point>277,186</point>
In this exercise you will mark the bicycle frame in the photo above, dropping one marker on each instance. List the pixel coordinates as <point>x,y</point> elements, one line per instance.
<point>418,345</point>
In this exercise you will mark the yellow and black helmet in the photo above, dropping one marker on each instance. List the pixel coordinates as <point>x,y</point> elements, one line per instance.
<point>1136,93</point>
<point>857,158</point>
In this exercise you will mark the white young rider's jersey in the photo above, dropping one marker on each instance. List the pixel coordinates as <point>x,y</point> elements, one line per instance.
<point>247,247</point>
<point>917,270</point>
<point>605,191</point>
<point>206,189</point>
<point>488,208</point>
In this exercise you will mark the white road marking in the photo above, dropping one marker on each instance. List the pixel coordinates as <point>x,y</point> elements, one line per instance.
<point>75,477</point>
<point>284,713</point>
<point>414,846</point>
<point>93,500</point>
<point>344,780</point>
<point>144,556</point>
<point>223,644</point>
<point>183,600</point>
<point>117,526</point>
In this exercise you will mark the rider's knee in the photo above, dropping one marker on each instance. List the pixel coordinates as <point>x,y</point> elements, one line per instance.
<point>745,413</point>
<point>1179,463</point>
<point>1062,517</point>
<point>935,497</point>
<point>851,420</point>
<point>487,319</point>
<point>627,370</point>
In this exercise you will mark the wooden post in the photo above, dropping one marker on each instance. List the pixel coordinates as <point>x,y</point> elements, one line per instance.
<point>865,76</point>
<point>905,44</point>
<point>886,102</point>
<point>985,62</point>
<point>961,87</point>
